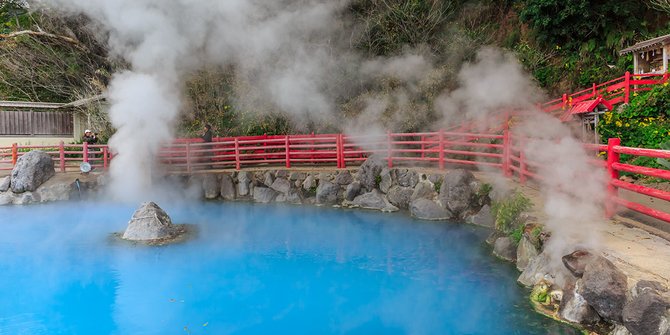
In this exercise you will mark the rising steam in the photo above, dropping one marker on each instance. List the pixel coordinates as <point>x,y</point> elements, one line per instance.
<point>573,188</point>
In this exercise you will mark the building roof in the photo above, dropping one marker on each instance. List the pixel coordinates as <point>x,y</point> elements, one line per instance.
<point>653,43</point>
<point>586,107</point>
<point>50,105</point>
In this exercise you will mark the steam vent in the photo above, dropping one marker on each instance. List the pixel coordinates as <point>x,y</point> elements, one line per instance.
<point>150,223</point>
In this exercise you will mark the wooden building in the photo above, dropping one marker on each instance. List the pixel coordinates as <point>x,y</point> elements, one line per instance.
<point>650,56</point>
<point>40,123</point>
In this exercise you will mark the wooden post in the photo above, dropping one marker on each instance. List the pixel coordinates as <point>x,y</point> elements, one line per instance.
<point>389,144</point>
<point>85,158</point>
<point>423,147</point>
<point>288,153</point>
<point>612,191</point>
<point>237,153</point>
<point>61,150</point>
<point>188,157</point>
<point>626,93</point>
<point>105,157</point>
<point>440,146</point>
<point>15,153</point>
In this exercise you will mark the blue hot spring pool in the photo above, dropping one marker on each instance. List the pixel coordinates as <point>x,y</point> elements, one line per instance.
<point>254,270</point>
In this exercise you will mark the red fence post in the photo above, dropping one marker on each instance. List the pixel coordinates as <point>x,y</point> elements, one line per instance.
<point>237,154</point>
<point>613,174</point>
<point>389,144</point>
<point>61,150</point>
<point>188,157</point>
<point>338,150</point>
<point>288,153</point>
<point>15,153</point>
<point>85,148</point>
<point>595,90</point>
<point>105,157</point>
<point>507,150</point>
<point>440,146</point>
<point>565,101</point>
<point>626,93</point>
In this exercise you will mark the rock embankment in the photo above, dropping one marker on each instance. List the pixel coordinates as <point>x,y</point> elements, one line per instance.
<point>455,195</point>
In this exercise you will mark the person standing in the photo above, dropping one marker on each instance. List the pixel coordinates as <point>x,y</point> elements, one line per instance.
<point>207,138</point>
<point>90,137</point>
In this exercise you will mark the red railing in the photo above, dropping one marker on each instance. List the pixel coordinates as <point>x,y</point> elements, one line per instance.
<point>67,157</point>
<point>615,91</point>
<point>503,150</point>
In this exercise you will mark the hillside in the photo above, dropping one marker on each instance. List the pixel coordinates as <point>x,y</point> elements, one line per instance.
<point>57,57</point>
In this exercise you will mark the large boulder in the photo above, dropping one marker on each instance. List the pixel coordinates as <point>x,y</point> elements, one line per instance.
<point>577,261</point>
<point>428,210</point>
<point>211,186</point>
<point>281,185</point>
<point>369,171</point>
<point>400,196</point>
<point>31,171</point>
<point>352,191</point>
<point>326,193</point>
<point>227,187</point>
<point>386,181</point>
<point>575,308</point>
<point>406,177</point>
<point>505,249</point>
<point>374,200</point>
<point>423,190</point>
<point>483,218</point>
<point>243,181</point>
<point>604,287</point>
<point>456,193</point>
<point>646,312</point>
<point>4,184</point>
<point>264,194</point>
<point>525,252</point>
<point>538,267</point>
<point>344,178</point>
<point>149,222</point>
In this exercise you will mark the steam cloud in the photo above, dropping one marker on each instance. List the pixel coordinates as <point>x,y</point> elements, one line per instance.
<point>291,52</point>
<point>282,48</point>
<point>573,188</point>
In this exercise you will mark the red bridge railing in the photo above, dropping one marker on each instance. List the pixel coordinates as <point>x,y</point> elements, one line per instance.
<point>615,91</point>
<point>503,151</point>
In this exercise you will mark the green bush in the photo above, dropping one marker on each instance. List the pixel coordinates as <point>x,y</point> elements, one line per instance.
<point>507,211</point>
<point>644,123</point>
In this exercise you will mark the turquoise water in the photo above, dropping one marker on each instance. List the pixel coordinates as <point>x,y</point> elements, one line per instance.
<point>254,270</point>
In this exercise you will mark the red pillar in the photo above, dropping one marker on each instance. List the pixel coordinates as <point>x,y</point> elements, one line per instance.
<point>61,150</point>
<point>440,147</point>
<point>15,153</point>
<point>389,144</point>
<point>105,157</point>
<point>507,149</point>
<point>188,157</point>
<point>612,191</point>
<point>626,93</point>
<point>522,161</point>
<point>237,154</point>
<point>338,150</point>
<point>85,148</point>
<point>288,153</point>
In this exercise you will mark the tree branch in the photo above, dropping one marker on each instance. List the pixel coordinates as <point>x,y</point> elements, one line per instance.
<point>43,34</point>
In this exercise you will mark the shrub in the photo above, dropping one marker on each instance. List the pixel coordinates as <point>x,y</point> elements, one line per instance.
<point>507,212</point>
